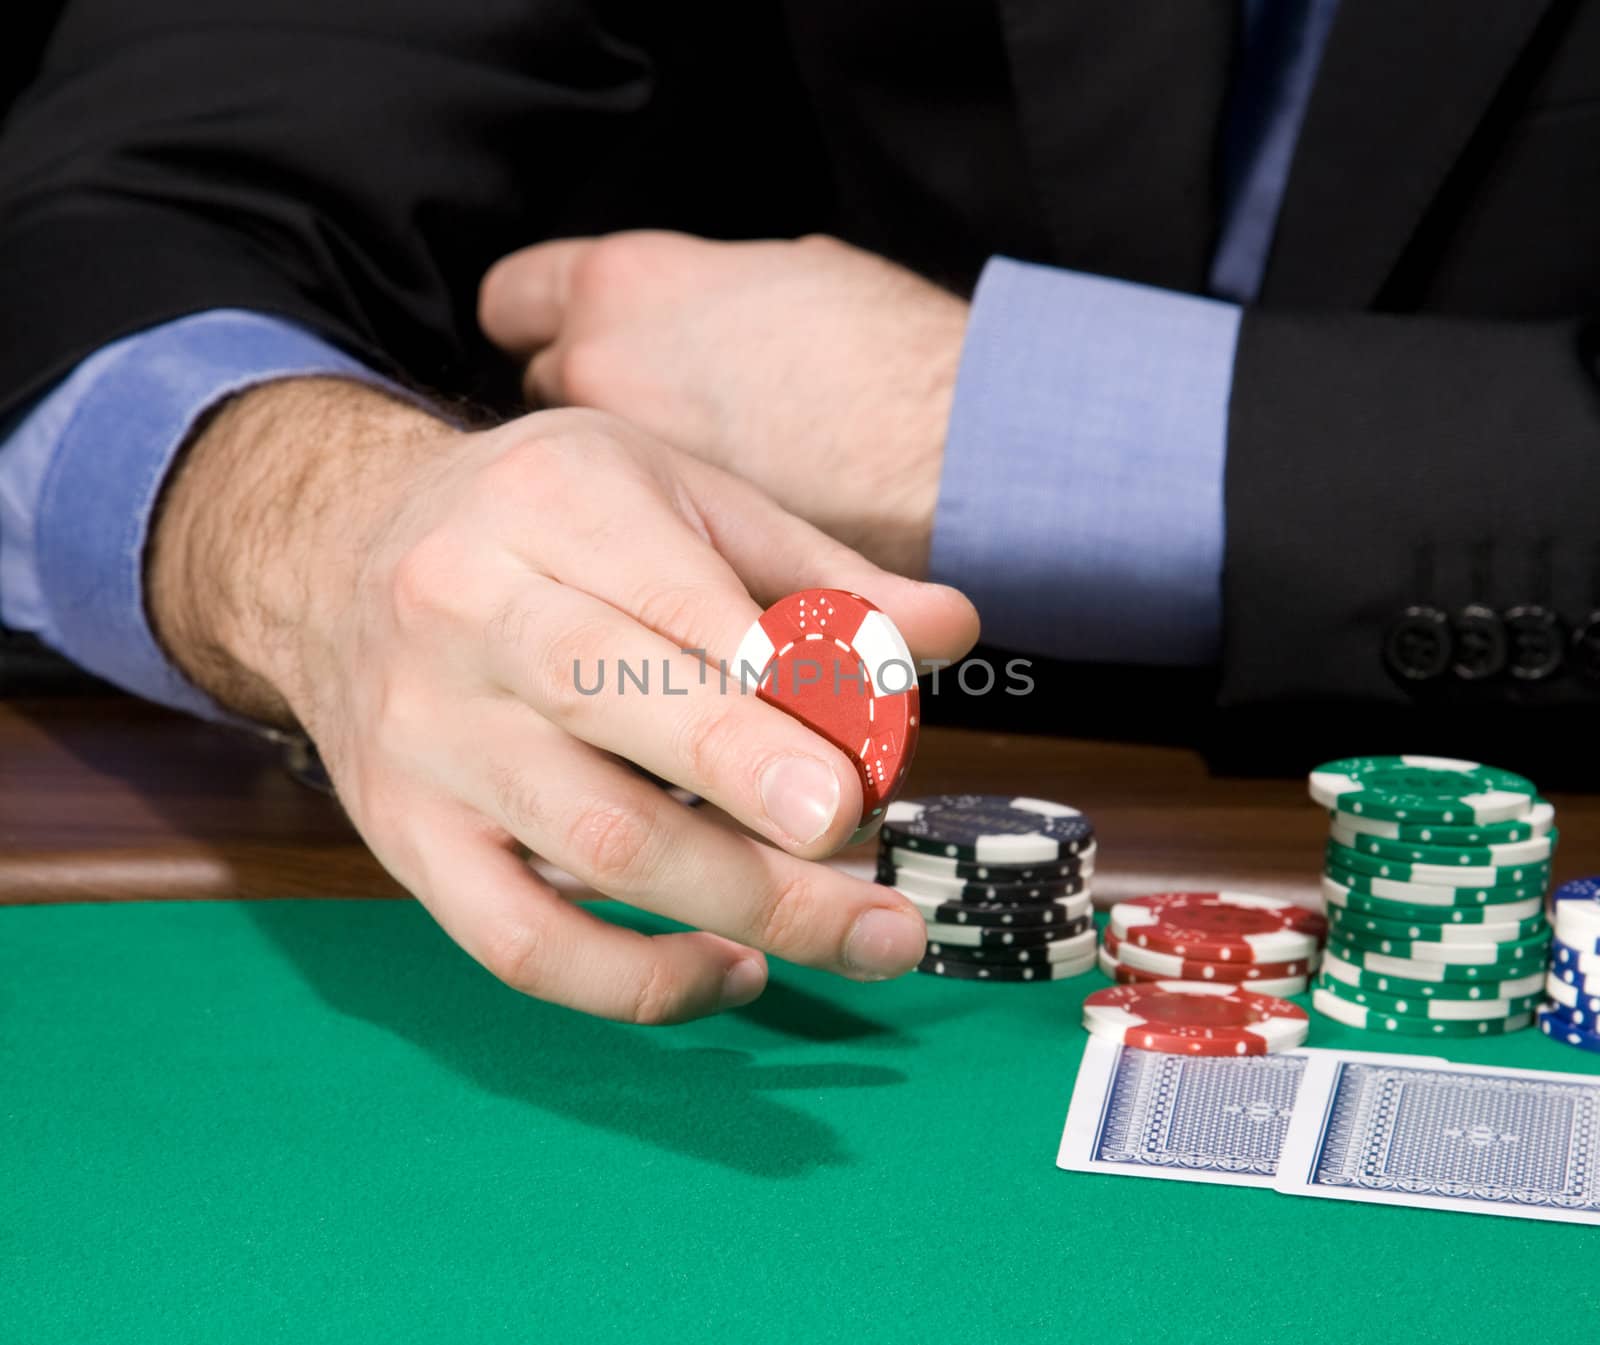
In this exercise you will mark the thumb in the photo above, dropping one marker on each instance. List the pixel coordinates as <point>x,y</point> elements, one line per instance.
<point>523,297</point>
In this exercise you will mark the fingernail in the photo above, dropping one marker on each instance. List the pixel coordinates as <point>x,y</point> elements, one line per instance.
<point>885,943</point>
<point>745,981</point>
<point>801,795</point>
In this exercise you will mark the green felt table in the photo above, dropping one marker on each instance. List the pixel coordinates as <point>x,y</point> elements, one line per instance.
<point>317,1121</point>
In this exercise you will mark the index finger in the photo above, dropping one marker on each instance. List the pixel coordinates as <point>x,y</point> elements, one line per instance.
<point>774,554</point>
<point>695,554</point>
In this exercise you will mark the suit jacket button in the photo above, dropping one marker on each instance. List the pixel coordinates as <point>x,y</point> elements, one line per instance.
<point>1538,642</point>
<point>1418,646</point>
<point>1480,641</point>
<point>1586,648</point>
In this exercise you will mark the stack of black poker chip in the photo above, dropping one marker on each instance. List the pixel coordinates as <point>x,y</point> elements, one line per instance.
<point>1003,884</point>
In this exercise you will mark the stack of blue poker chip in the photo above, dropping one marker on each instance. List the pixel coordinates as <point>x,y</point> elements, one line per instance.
<point>1003,884</point>
<point>1571,1014</point>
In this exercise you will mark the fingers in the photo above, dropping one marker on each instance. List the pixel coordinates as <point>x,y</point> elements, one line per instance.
<point>629,840</point>
<point>496,908</point>
<point>523,298</point>
<point>773,553</point>
<point>628,533</point>
<point>681,545</point>
<point>598,674</point>
<point>542,384</point>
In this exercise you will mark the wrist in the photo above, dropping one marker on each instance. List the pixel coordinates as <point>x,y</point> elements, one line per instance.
<point>929,393</point>
<point>258,544</point>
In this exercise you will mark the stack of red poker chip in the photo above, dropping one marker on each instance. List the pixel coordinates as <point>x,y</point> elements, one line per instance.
<point>1217,938</point>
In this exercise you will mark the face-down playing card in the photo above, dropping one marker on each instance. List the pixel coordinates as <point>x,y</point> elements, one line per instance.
<point>1200,1119</point>
<point>1522,1143</point>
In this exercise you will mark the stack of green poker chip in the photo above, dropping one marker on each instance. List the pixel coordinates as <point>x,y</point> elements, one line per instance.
<point>1434,879</point>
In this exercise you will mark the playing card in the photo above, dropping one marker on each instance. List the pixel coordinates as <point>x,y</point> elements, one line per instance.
<point>1516,1142</point>
<point>1188,1118</point>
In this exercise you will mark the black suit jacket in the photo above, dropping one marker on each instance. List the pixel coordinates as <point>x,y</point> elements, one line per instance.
<point>1414,450</point>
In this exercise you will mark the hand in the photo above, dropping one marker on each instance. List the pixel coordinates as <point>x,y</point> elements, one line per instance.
<point>820,372</point>
<point>418,599</point>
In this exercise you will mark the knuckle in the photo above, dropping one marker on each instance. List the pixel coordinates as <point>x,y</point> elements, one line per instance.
<point>716,743</point>
<point>512,626</point>
<point>658,998</point>
<point>780,920</point>
<point>517,800</point>
<point>565,448</point>
<point>522,471</point>
<point>586,371</point>
<point>614,262</point>
<point>518,953</point>
<point>571,668</point>
<point>423,583</point>
<point>676,611</point>
<point>592,434</point>
<point>609,846</point>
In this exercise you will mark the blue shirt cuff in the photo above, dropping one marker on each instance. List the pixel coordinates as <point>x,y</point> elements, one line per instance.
<point>107,468</point>
<point>1081,501</point>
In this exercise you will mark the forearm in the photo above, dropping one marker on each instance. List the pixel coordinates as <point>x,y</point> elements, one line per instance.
<point>263,527</point>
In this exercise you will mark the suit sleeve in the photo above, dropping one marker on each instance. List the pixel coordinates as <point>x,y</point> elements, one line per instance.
<point>350,168</point>
<point>81,473</point>
<point>1384,468</point>
<point>1080,499</point>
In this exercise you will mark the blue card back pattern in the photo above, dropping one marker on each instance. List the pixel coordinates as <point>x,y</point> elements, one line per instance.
<point>1457,1134</point>
<point>1221,1114</point>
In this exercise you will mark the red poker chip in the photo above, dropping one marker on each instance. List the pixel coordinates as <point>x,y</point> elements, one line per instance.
<point>1123,974</point>
<point>838,665</point>
<point>1187,1018</point>
<point>1220,926</point>
<point>1171,967</point>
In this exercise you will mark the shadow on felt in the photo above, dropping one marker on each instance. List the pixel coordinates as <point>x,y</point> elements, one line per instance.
<point>389,965</point>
